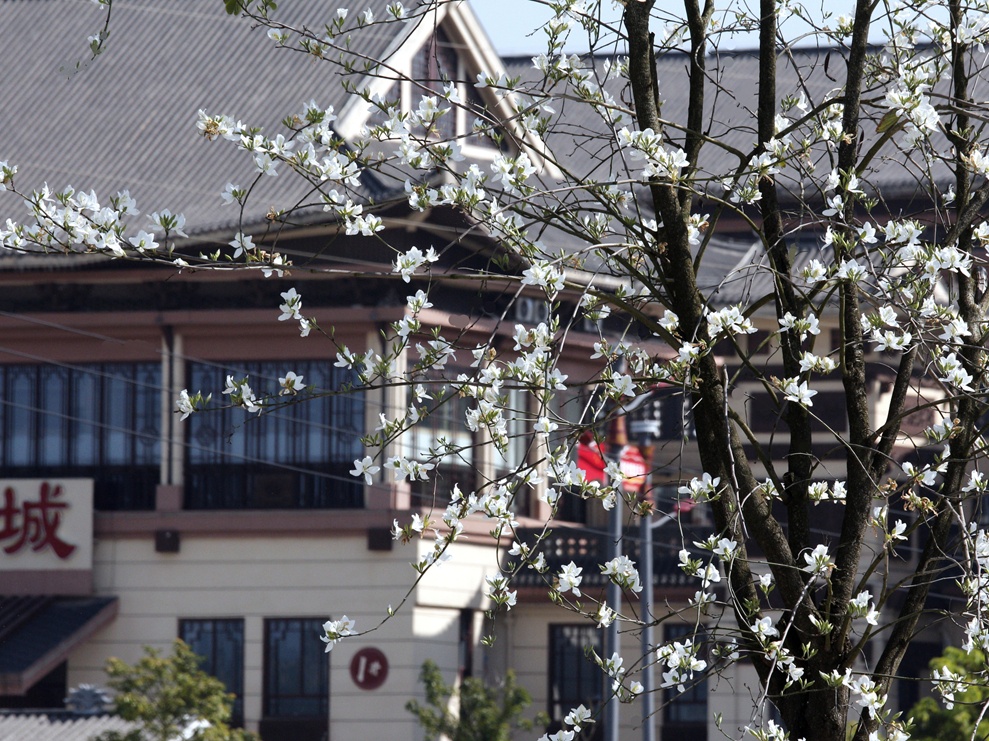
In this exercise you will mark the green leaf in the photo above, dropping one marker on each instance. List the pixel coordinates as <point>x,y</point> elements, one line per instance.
<point>887,122</point>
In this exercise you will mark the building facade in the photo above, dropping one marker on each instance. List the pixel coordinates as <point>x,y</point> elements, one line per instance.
<point>124,526</point>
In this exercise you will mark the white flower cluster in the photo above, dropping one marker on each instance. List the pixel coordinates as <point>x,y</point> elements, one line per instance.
<point>577,718</point>
<point>291,308</point>
<point>569,579</point>
<point>865,692</point>
<point>947,683</point>
<point>78,221</point>
<point>819,561</point>
<point>498,591</point>
<point>708,574</point>
<point>953,372</point>
<point>729,320</point>
<point>702,489</point>
<point>885,339</point>
<point>336,630</point>
<point>820,491</point>
<point>878,520</point>
<point>798,392</point>
<point>544,275</point>
<point>682,662</point>
<point>514,172</point>
<point>769,162</point>
<point>187,404</point>
<point>861,606</point>
<point>908,97</point>
<point>976,590</point>
<point>803,326</point>
<point>622,571</point>
<point>242,395</point>
<point>660,162</point>
<point>406,264</point>
<point>614,668</point>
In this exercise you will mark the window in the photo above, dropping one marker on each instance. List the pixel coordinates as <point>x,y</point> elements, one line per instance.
<point>221,644</point>
<point>669,408</point>
<point>465,643</point>
<point>443,426</point>
<point>574,678</point>
<point>685,715</point>
<point>297,456</point>
<point>296,681</point>
<point>518,430</point>
<point>434,66</point>
<point>829,412</point>
<point>914,669</point>
<point>100,421</point>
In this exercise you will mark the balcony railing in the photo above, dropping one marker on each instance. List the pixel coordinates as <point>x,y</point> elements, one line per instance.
<point>115,488</point>
<point>588,549</point>
<point>270,487</point>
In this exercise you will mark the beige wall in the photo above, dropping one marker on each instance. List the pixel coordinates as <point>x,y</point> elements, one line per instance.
<point>529,637</point>
<point>292,576</point>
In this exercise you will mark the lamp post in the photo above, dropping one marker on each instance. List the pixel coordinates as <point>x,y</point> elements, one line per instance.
<point>646,606</point>
<point>617,439</point>
<point>645,426</point>
<point>644,422</point>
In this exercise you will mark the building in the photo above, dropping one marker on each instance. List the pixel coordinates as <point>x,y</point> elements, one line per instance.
<point>242,535</point>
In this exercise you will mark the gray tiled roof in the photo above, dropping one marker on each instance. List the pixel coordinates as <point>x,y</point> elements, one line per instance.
<point>127,120</point>
<point>59,727</point>
<point>733,265</point>
<point>731,96</point>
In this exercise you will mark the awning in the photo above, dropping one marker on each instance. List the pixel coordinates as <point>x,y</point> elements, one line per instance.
<point>38,633</point>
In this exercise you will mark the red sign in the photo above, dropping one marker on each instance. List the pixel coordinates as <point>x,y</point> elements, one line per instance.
<point>633,466</point>
<point>34,523</point>
<point>369,668</point>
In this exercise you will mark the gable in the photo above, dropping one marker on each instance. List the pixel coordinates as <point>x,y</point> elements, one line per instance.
<point>447,46</point>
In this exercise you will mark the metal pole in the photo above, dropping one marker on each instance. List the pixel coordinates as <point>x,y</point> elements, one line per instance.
<point>611,637</point>
<point>617,439</point>
<point>646,605</point>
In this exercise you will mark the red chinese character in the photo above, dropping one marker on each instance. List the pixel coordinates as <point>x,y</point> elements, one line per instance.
<point>34,523</point>
<point>9,515</point>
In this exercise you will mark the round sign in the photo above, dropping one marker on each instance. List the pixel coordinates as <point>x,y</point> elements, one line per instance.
<point>633,465</point>
<point>369,668</point>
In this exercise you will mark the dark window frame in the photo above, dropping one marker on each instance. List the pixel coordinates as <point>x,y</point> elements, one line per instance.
<point>306,631</point>
<point>96,420</point>
<point>233,679</point>
<point>686,715</point>
<point>297,456</point>
<point>433,65</point>
<point>444,417</point>
<point>574,668</point>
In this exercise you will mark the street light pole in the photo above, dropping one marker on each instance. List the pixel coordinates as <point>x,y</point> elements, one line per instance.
<point>645,426</point>
<point>617,440</point>
<point>647,599</point>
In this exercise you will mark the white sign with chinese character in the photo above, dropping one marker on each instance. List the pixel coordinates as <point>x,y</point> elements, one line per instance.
<point>46,524</point>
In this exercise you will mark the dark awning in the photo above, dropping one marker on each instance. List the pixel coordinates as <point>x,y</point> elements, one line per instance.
<point>38,633</point>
